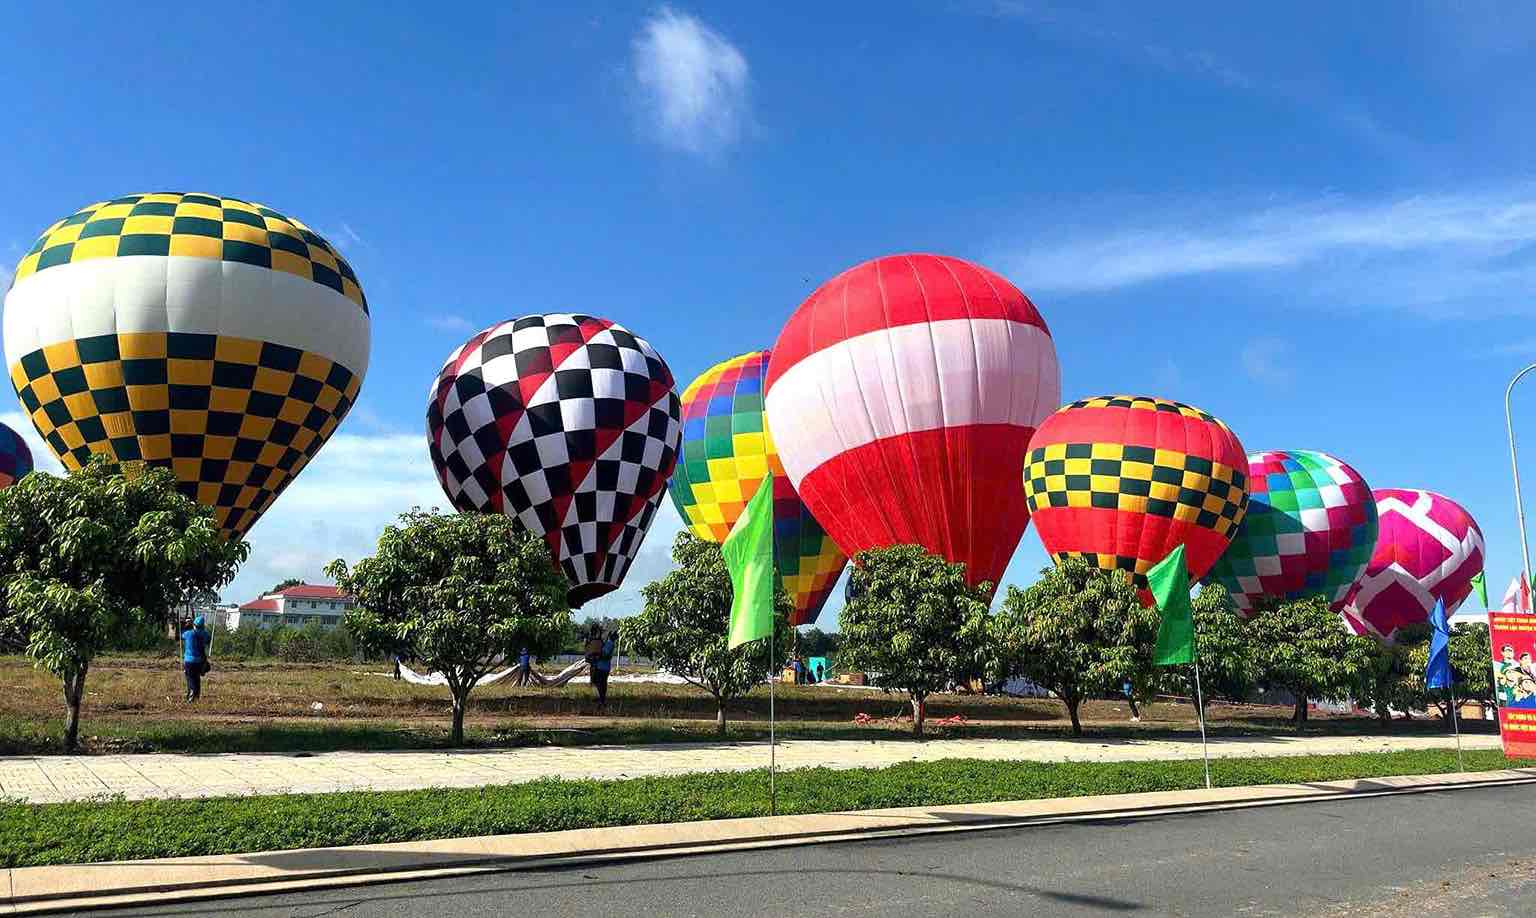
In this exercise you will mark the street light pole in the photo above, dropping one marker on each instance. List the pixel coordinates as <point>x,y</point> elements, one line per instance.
<point>1514,466</point>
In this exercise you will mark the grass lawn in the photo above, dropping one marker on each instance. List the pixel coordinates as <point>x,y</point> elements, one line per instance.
<point>134,705</point>
<point>70,833</point>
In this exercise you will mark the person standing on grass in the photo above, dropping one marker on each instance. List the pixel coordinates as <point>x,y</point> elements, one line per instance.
<point>194,657</point>
<point>1130,695</point>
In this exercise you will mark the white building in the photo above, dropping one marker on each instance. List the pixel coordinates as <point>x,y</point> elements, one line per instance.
<point>295,606</point>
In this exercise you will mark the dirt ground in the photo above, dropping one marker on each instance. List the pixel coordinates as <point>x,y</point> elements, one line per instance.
<point>126,697</point>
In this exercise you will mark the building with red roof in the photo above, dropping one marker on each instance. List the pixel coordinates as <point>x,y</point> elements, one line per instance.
<point>294,606</point>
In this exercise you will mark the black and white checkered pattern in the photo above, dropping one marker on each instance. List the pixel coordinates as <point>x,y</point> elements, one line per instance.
<point>569,424</point>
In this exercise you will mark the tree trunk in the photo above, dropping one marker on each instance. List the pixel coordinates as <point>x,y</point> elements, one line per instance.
<point>1299,718</point>
<point>919,714</point>
<point>74,691</point>
<point>719,715</point>
<point>1072,702</point>
<point>460,701</point>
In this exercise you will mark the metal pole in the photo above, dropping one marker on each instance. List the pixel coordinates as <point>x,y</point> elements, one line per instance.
<point>1200,709</point>
<point>773,676</point>
<point>1455,722</point>
<point>1514,467</point>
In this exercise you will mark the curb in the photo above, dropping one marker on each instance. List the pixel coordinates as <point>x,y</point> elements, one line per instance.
<point>68,888</point>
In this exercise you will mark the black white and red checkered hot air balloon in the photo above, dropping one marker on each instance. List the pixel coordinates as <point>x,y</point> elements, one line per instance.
<point>567,423</point>
<point>902,396</point>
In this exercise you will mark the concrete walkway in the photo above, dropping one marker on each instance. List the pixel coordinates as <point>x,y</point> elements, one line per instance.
<point>53,779</point>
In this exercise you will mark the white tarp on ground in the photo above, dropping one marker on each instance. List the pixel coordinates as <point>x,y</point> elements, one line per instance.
<point>575,674</point>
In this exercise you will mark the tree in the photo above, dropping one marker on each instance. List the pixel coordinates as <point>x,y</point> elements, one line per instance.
<point>1472,674</point>
<point>98,552</point>
<point>1227,667</point>
<point>1305,648</point>
<point>683,627</point>
<point>285,584</point>
<point>813,642</point>
<point>458,593</point>
<point>1078,631</point>
<point>914,623</point>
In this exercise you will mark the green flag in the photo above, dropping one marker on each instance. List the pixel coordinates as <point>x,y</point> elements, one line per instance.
<point>1169,580</point>
<point>1481,586</point>
<point>748,553</point>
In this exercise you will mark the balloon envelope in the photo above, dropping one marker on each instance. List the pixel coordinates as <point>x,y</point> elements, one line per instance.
<point>727,450</point>
<point>567,423</point>
<point>208,335</point>
<point>1121,480</point>
<point>902,396</point>
<point>1309,531</point>
<point>1429,548</point>
<point>15,457</point>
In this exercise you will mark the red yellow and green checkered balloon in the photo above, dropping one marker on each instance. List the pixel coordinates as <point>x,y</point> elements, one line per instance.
<point>727,450</point>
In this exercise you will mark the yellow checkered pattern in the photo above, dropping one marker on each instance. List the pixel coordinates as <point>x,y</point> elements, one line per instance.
<point>732,482</point>
<point>1137,479</point>
<point>1146,403</point>
<point>235,420</point>
<point>199,225</point>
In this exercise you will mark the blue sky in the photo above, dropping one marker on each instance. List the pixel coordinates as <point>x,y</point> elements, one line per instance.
<point>1317,221</point>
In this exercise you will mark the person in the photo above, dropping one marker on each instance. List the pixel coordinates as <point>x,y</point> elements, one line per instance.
<point>602,665</point>
<point>1506,674</point>
<point>799,669</point>
<point>1130,695</point>
<point>194,657</point>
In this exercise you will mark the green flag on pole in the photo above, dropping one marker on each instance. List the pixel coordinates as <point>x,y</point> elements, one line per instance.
<point>748,553</point>
<point>1481,586</point>
<point>1169,581</point>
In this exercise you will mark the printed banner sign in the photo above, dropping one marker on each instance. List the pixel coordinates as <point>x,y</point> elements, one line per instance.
<point>1513,635</point>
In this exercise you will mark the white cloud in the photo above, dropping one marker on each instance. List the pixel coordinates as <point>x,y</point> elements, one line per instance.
<point>1266,360</point>
<point>1449,251</point>
<point>450,323</point>
<point>692,84</point>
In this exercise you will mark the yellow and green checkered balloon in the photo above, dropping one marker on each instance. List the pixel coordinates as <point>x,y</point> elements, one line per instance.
<point>727,450</point>
<point>208,335</point>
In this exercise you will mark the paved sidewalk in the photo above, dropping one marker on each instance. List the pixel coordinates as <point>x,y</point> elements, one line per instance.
<point>52,779</point>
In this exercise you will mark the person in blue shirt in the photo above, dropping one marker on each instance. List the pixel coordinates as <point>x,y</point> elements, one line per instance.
<point>194,657</point>
<point>602,666</point>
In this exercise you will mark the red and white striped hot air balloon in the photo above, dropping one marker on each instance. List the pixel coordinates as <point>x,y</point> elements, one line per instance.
<point>902,396</point>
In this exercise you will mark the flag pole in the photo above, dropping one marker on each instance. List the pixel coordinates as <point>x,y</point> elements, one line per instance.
<point>1200,709</point>
<point>773,799</point>
<point>1455,722</point>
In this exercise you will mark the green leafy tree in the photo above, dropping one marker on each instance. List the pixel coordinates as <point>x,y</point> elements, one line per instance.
<point>1305,648</point>
<point>813,642</point>
<point>458,593</point>
<point>914,624</point>
<point>1227,668</point>
<point>683,627</point>
<point>1471,669</point>
<point>1078,631</point>
<point>90,555</point>
<point>1390,682</point>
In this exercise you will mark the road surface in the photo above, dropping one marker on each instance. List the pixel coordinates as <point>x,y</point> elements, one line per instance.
<point>1464,853</point>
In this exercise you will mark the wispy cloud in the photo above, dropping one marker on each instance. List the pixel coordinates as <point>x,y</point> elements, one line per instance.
<point>692,83</point>
<point>1267,361</point>
<point>450,323</point>
<point>1469,251</point>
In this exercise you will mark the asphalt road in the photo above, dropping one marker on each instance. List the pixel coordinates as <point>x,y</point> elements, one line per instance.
<point>1463,853</point>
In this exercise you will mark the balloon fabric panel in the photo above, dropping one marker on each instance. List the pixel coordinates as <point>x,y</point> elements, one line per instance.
<point>15,457</point>
<point>902,395</point>
<point>1122,480</point>
<point>1429,548</point>
<point>727,449</point>
<point>567,423</point>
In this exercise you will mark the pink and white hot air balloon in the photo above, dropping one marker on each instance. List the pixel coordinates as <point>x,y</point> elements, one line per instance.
<point>902,396</point>
<point>1428,548</point>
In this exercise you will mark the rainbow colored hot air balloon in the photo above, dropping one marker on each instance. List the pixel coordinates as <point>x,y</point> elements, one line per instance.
<point>1429,548</point>
<point>902,395</point>
<point>1309,530</point>
<point>1122,479</point>
<point>211,336</point>
<point>727,450</point>
<point>567,423</point>
<point>15,457</point>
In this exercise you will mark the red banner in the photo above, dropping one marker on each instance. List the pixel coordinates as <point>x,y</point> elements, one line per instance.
<point>1513,635</point>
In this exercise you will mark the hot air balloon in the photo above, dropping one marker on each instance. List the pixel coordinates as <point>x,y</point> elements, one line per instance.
<point>15,457</point>
<point>727,450</point>
<point>1429,548</point>
<point>211,336</point>
<point>902,395</point>
<point>567,423</point>
<point>1309,530</point>
<point>1121,480</point>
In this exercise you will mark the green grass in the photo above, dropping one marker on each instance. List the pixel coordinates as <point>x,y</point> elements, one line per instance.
<point>69,833</point>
